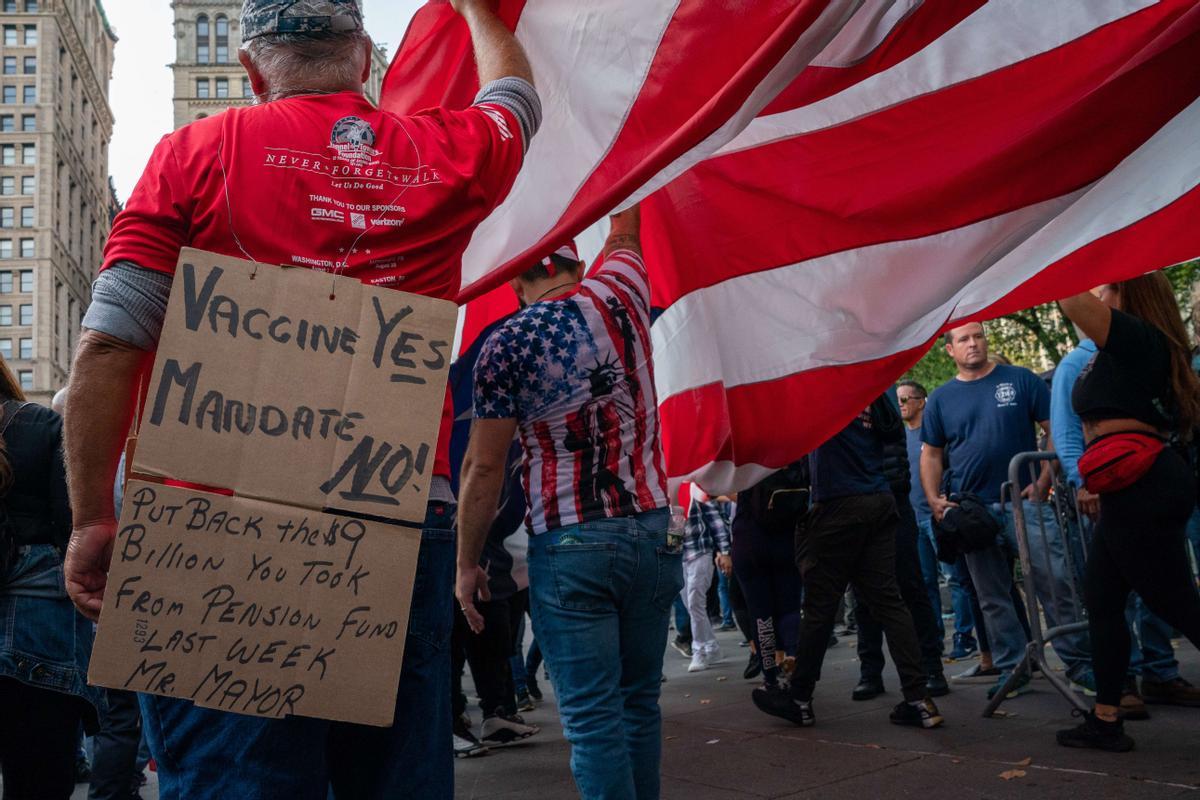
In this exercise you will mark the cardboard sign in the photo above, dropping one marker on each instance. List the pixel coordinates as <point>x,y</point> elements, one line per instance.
<point>255,607</point>
<point>309,405</point>
<point>297,386</point>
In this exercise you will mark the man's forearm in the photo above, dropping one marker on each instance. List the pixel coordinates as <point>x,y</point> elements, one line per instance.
<point>931,476</point>
<point>100,403</point>
<point>477,503</point>
<point>498,54</point>
<point>625,232</point>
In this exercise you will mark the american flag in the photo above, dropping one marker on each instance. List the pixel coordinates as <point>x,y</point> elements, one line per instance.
<point>829,184</point>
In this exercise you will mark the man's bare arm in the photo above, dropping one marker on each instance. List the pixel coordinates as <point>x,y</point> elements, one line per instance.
<point>931,480</point>
<point>483,475</point>
<point>100,403</point>
<point>625,232</point>
<point>498,54</point>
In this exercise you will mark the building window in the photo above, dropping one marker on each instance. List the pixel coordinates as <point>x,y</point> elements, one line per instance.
<point>30,94</point>
<point>27,250</point>
<point>222,87</point>
<point>7,215</point>
<point>29,154</point>
<point>247,91</point>
<point>26,313</point>
<point>5,315</point>
<point>202,39</point>
<point>6,349</point>
<point>25,376</point>
<point>10,6</point>
<point>8,155</point>
<point>8,185</point>
<point>222,39</point>
<point>202,87</point>
<point>28,183</point>
<point>28,123</point>
<point>10,94</point>
<point>10,65</point>
<point>26,347</point>
<point>26,281</point>
<point>10,35</point>
<point>6,251</point>
<point>30,65</point>
<point>31,36</point>
<point>8,123</point>
<point>26,216</point>
<point>31,6</point>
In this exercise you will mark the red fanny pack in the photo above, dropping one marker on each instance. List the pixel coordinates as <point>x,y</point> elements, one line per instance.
<point>1115,461</point>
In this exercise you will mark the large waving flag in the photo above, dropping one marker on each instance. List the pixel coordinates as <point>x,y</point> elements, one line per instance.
<point>933,162</point>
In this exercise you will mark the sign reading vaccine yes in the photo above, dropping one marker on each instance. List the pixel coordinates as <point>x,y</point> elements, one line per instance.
<point>311,405</point>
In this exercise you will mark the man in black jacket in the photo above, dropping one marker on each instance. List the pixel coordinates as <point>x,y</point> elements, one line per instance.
<point>912,589</point>
<point>850,538</point>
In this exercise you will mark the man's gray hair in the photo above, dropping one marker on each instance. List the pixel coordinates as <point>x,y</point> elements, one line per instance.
<point>291,62</point>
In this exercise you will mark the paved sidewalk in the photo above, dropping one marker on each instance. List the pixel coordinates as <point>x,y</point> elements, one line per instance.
<point>719,746</point>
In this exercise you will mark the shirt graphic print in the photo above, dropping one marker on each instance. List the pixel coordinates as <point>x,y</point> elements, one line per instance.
<point>575,372</point>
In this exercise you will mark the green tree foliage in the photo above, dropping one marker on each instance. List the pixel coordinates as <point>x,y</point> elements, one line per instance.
<point>1039,337</point>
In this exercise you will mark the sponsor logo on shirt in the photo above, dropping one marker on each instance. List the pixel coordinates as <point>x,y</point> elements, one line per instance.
<point>353,141</point>
<point>327,215</point>
<point>1006,395</point>
<point>358,220</point>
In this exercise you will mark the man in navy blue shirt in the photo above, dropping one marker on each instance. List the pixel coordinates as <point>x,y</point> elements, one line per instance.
<point>980,420</point>
<point>912,396</point>
<point>849,537</point>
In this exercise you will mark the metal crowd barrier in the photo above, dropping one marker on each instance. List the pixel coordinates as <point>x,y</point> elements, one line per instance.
<point>1075,529</point>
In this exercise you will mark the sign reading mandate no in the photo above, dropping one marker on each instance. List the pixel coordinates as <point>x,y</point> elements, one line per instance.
<point>312,402</point>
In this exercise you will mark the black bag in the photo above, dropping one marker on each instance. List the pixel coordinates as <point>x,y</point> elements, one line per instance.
<point>966,528</point>
<point>779,502</point>
<point>8,540</point>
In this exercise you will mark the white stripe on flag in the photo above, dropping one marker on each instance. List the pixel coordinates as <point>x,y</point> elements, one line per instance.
<point>1001,33</point>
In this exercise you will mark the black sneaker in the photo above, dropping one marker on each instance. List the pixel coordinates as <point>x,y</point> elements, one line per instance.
<point>778,702</point>
<point>936,685</point>
<point>921,715</point>
<point>499,731</point>
<point>535,691</point>
<point>683,648</point>
<point>867,689</point>
<point>753,668</point>
<point>1096,734</point>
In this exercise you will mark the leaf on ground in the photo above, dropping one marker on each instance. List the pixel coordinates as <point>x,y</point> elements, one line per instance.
<point>705,702</point>
<point>670,738</point>
<point>1025,762</point>
<point>1009,774</point>
<point>712,741</point>
<point>874,746</point>
<point>687,695</point>
<point>956,761</point>
<point>722,678</point>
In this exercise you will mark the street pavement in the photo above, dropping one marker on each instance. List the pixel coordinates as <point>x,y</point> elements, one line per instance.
<point>717,746</point>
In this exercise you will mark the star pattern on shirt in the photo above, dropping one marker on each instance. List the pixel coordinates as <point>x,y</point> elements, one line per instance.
<point>529,363</point>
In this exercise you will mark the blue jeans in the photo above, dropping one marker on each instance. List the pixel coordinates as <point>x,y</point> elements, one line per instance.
<point>1150,653</point>
<point>930,570</point>
<point>600,596</point>
<point>204,754</point>
<point>723,598</point>
<point>683,622</point>
<point>993,580</point>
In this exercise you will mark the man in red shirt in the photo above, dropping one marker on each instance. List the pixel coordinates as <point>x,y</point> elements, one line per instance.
<point>312,176</point>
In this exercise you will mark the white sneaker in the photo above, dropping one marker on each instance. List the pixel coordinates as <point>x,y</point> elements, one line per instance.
<point>467,748</point>
<point>499,731</point>
<point>713,654</point>
<point>699,660</point>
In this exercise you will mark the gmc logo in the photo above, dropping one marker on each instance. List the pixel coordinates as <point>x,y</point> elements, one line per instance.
<point>328,215</point>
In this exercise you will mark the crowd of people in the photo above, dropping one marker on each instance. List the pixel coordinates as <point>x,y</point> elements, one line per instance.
<point>549,510</point>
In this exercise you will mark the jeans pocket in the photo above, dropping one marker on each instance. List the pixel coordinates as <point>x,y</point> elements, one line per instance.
<point>583,574</point>
<point>670,578</point>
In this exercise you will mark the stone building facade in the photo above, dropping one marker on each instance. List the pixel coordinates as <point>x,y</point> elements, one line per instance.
<point>55,128</point>
<point>208,77</point>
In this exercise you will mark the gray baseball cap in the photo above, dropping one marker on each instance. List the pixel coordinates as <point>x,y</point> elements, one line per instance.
<point>263,17</point>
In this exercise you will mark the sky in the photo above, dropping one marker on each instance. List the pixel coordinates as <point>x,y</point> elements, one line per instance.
<point>141,88</point>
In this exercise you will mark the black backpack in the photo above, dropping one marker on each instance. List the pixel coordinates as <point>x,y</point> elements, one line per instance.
<point>8,540</point>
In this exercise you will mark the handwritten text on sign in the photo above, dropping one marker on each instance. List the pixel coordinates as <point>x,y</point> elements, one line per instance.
<point>254,607</point>
<point>298,386</point>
